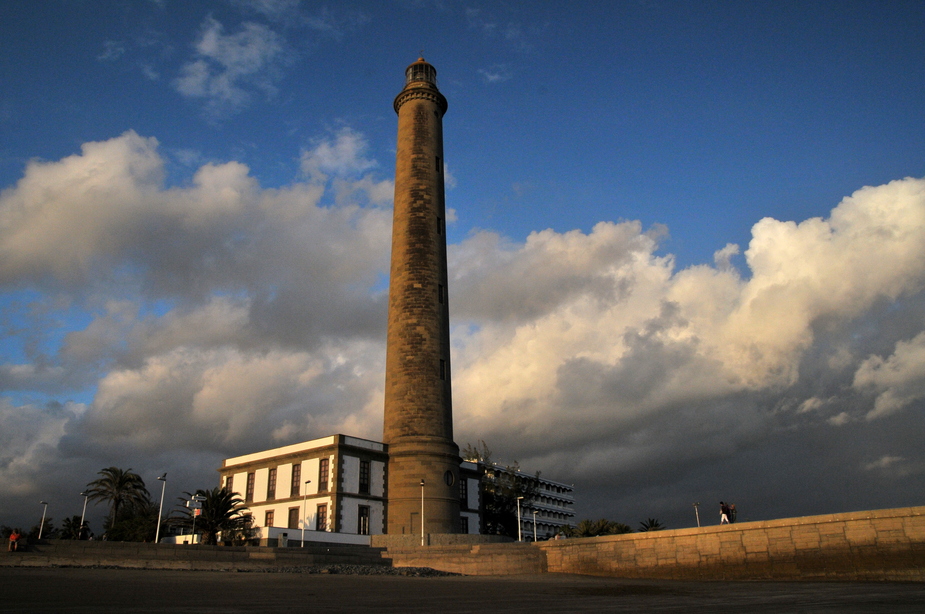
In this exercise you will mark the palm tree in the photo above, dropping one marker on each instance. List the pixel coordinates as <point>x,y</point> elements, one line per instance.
<point>72,529</point>
<point>120,488</point>
<point>593,528</point>
<point>650,525</point>
<point>223,511</point>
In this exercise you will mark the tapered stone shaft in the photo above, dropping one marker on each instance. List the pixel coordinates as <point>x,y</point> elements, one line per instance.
<point>418,402</point>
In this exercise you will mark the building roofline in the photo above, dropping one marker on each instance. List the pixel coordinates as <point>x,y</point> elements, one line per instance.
<point>305,446</point>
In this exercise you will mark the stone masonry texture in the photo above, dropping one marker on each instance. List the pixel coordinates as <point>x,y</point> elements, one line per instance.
<point>418,424</point>
<point>874,545</point>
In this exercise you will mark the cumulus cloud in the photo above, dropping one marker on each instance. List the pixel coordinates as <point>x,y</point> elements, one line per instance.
<point>186,324</point>
<point>210,308</point>
<point>609,352</point>
<point>899,379</point>
<point>228,68</point>
<point>344,155</point>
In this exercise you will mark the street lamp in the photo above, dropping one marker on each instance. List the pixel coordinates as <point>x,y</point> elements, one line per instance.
<point>44,509</point>
<point>304,499</point>
<point>534,526</point>
<point>422,511</point>
<point>160,512</point>
<point>697,512</point>
<point>83,514</point>
<point>518,519</point>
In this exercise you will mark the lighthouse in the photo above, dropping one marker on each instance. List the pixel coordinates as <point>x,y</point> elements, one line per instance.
<point>423,467</point>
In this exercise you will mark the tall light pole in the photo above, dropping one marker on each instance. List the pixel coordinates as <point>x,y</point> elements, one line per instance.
<point>697,513</point>
<point>304,501</point>
<point>518,519</point>
<point>44,509</point>
<point>83,514</point>
<point>160,512</point>
<point>534,526</point>
<point>422,511</point>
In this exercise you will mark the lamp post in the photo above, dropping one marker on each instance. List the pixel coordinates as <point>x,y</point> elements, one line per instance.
<point>304,501</point>
<point>44,509</point>
<point>83,514</point>
<point>518,519</point>
<point>160,511</point>
<point>422,511</point>
<point>534,526</point>
<point>697,513</point>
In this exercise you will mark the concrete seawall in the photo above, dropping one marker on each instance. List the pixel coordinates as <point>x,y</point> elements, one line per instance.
<point>133,555</point>
<point>874,545</point>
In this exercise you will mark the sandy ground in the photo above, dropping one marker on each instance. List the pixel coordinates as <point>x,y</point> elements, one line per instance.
<point>130,591</point>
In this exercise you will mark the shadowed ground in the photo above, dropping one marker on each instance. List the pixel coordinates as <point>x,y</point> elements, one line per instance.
<point>134,591</point>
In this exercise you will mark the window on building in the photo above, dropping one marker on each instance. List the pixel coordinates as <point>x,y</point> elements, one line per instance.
<point>442,369</point>
<point>439,226</point>
<point>440,293</point>
<point>463,493</point>
<point>296,479</point>
<point>229,483</point>
<point>363,520</point>
<point>364,477</point>
<point>464,525</point>
<point>249,493</point>
<point>323,467</point>
<point>439,168</point>
<point>268,518</point>
<point>321,519</point>
<point>271,484</point>
<point>293,518</point>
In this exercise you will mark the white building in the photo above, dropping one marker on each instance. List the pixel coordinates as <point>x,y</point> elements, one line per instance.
<point>333,485</point>
<point>334,489</point>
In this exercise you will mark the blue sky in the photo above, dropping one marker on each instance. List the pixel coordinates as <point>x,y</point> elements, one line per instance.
<point>686,248</point>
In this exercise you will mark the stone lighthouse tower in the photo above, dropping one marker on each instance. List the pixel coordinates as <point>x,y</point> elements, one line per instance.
<point>423,468</point>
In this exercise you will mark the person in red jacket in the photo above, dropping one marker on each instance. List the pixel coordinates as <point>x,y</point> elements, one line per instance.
<point>14,540</point>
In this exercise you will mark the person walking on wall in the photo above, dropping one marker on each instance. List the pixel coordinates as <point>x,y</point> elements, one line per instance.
<point>723,513</point>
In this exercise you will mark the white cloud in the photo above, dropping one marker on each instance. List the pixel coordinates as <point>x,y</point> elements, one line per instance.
<point>723,257</point>
<point>221,317</point>
<point>228,67</point>
<point>342,156</point>
<point>899,380</point>
<point>498,73</point>
<point>573,334</point>
<point>113,50</point>
<point>883,462</point>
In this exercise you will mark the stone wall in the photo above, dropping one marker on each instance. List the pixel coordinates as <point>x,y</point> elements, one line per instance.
<point>881,545</point>
<point>133,555</point>
<point>875,545</point>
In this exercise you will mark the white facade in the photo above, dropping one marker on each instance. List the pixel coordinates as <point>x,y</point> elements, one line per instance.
<point>344,492</point>
<point>344,498</point>
<point>470,502</point>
